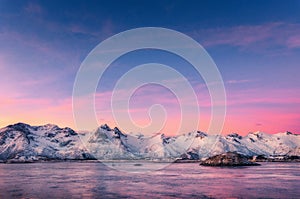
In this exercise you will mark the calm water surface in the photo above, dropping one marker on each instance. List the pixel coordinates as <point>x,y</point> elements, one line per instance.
<point>95,180</point>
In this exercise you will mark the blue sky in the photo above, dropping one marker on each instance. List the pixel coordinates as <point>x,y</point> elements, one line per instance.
<point>255,44</point>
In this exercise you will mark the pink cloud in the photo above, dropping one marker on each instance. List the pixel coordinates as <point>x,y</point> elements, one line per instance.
<point>239,118</point>
<point>139,106</point>
<point>293,41</point>
<point>245,120</point>
<point>274,109</point>
<point>268,96</point>
<point>234,81</point>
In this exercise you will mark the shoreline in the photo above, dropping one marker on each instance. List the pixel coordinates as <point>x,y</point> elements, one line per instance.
<point>130,161</point>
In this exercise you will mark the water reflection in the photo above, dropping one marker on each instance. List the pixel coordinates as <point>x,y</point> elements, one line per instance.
<point>95,180</point>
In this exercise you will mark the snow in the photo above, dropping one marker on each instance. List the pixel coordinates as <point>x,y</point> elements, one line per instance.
<point>24,142</point>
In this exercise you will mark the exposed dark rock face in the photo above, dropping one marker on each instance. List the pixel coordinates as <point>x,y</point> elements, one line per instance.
<point>228,159</point>
<point>118,133</point>
<point>235,135</point>
<point>105,127</point>
<point>201,134</point>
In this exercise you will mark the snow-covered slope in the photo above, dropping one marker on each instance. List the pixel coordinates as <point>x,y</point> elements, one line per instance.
<point>257,143</point>
<point>107,143</point>
<point>22,142</point>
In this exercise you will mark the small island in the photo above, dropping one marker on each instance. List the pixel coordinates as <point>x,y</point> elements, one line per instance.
<point>228,159</point>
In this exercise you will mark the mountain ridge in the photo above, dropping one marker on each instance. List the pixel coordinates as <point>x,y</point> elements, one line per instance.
<point>22,142</point>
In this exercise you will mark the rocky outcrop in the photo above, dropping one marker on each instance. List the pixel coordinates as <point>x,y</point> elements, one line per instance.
<point>228,159</point>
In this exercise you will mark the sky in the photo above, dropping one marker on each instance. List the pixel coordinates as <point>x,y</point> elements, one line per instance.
<point>254,44</point>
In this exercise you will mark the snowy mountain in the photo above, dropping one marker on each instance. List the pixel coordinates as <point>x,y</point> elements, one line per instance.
<point>22,142</point>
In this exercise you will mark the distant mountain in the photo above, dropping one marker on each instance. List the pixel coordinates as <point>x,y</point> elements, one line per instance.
<point>24,143</point>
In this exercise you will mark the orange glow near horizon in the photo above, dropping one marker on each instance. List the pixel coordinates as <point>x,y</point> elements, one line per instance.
<point>40,112</point>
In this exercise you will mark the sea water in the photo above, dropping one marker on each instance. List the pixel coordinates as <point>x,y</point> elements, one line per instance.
<point>177,180</point>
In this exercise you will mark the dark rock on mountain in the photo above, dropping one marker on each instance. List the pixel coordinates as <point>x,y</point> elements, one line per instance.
<point>235,135</point>
<point>118,133</point>
<point>201,134</point>
<point>105,127</point>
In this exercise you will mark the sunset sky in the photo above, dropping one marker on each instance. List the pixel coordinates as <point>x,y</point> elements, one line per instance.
<point>255,45</point>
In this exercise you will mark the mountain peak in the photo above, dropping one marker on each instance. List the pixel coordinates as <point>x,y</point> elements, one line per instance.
<point>18,125</point>
<point>105,127</point>
<point>48,127</point>
<point>201,134</point>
